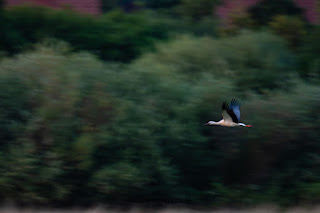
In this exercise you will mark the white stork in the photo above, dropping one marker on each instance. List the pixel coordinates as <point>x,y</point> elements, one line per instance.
<point>230,115</point>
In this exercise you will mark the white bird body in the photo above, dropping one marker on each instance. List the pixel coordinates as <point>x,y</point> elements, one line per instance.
<point>224,123</point>
<point>230,114</point>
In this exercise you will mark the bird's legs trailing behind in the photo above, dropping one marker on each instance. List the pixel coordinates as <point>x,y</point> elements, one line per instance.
<point>244,125</point>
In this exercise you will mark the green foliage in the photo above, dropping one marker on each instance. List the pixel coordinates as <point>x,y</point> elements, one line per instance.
<point>52,124</point>
<point>107,135</point>
<point>77,131</point>
<point>291,29</point>
<point>156,4</point>
<point>311,192</point>
<point>258,61</point>
<point>265,10</point>
<point>183,25</point>
<point>108,5</point>
<point>238,23</point>
<point>107,36</point>
<point>28,177</point>
<point>14,107</point>
<point>310,63</point>
<point>197,9</point>
<point>119,182</point>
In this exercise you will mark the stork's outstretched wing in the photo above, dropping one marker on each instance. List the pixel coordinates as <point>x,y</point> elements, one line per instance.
<point>235,106</point>
<point>232,112</point>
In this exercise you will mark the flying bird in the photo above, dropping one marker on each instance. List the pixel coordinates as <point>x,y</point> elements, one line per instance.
<point>230,115</point>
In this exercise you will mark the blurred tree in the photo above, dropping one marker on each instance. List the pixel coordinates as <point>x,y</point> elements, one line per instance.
<point>254,60</point>
<point>128,5</point>
<point>243,21</point>
<point>265,10</point>
<point>318,12</point>
<point>311,192</point>
<point>2,24</point>
<point>119,182</point>
<point>106,36</point>
<point>198,9</point>
<point>14,106</point>
<point>310,49</point>
<point>19,166</point>
<point>292,29</point>
<point>156,4</point>
<point>79,131</point>
<point>108,5</point>
<point>238,23</point>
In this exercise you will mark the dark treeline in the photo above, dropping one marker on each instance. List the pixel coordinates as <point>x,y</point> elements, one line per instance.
<point>110,109</point>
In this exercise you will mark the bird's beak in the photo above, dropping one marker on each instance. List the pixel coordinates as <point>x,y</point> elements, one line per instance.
<point>206,124</point>
<point>248,125</point>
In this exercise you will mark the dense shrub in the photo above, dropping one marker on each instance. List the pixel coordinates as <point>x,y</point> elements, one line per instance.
<point>265,10</point>
<point>292,29</point>
<point>75,130</point>
<point>114,36</point>
<point>156,4</point>
<point>92,132</point>
<point>237,23</point>
<point>310,49</point>
<point>197,9</point>
<point>253,60</point>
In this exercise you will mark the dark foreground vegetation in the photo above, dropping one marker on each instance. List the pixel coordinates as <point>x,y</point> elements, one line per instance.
<point>110,109</point>
<point>263,209</point>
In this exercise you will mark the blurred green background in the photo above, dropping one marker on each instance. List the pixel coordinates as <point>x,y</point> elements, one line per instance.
<point>110,108</point>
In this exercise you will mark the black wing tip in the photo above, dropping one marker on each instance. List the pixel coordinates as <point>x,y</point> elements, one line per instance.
<point>234,101</point>
<point>225,105</point>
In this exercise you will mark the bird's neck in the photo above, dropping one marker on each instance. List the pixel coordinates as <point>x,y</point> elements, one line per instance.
<point>214,123</point>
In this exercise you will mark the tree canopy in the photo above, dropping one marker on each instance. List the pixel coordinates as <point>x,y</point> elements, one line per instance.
<point>110,109</point>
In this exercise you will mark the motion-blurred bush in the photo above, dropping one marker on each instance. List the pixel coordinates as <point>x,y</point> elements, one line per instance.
<point>292,29</point>
<point>74,127</point>
<point>76,130</point>
<point>252,60</point>
<point>106,36</point>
